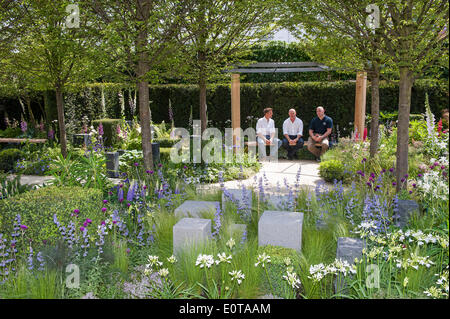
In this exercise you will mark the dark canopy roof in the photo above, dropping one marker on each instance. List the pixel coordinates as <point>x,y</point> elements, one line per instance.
<point>279,67</point>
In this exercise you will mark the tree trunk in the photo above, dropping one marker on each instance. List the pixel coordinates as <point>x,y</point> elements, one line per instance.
<point>142,70</point>
<point>61,124</point>
<point>202,90</point>
<point>405,85</point>
<point>375,110</point>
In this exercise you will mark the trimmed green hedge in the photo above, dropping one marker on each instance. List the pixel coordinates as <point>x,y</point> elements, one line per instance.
<point>37,207</point>
<point>338,98</point>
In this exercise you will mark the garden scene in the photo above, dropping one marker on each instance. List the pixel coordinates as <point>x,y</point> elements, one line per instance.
<point>186,150</point>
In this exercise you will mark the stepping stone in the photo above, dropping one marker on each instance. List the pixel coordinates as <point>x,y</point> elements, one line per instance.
<point>112,164</point>
<point>190,231</point>
<point>281,228</point>
<point>347,249</point>
<point>240,196</point>
<point>406,209</point>
<point>194,208</point>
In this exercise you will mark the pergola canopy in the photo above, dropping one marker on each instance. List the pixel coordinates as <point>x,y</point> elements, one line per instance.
<point>279,67</point>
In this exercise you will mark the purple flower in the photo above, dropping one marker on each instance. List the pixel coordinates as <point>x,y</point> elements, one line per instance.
<point>76,211</point>
<point>364,160</point>
<point>105,201</point>
<point>82,228</point>
<point>402,180</point>
<point>391,169</point>
<point>51,134</point>
<point>120,194</point>
<point>410,192</point>
<point>23,126</point>
<point>159,165</point>
<point>442,167</point>
<point>104,209</point>
<point>394,183</point>
<point>136,164</point>
<point>406,175</point>
<point>100,129</point>
<point>85,224</point>
<point>419,175</point>
<point>88,221</point>
<point>23,227</point>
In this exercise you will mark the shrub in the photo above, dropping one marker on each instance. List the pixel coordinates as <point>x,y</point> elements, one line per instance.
<point>36,209</point>
<point>331,170</point>
<point>9,157</point>
<point>165,142</point>
<point>10,132</point>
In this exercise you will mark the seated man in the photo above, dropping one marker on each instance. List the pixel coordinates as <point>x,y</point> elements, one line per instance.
<point>293,132</point>
<point>319,130</point>
<point>265,130</point>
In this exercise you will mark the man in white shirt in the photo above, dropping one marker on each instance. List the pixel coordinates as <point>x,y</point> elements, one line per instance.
<point>265,130</point>
<point>293,132</point>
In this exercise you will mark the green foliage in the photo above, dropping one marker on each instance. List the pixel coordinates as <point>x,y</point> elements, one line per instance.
<point>8,158</point>
<point>12,187</point>
<point>333,170</point>
<point>109,130</point>
<point>10,132</point>
<point>37,208</point>
<point>276,269</point>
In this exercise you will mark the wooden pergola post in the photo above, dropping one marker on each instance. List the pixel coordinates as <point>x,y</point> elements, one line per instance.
<point>360,103</point>
<point>235,107</point>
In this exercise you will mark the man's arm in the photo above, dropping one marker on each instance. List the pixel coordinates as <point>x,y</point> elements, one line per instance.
<point>259,133</point>
<point>328,132</point>
<point>311,133</point>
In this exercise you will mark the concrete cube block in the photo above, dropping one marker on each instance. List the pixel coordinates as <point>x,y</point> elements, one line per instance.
<point>194,208</point>
<point>238,232</point>
<point>280,202</point>
<point>281,228</point>
<point>242,197</point>
<point>347,250</point>
<point>406,208</point>
<point>112,164</point>
<point>190,231</point>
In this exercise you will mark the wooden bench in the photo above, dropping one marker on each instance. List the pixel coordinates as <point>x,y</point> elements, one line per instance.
<point>23,140</point>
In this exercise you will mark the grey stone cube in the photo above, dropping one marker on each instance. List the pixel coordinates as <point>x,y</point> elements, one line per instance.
<point>242,197</point>
<point>280,202</point>
<point>406,208</point>
<point>81,139</point>
<point>347,250</point>
<point>281,228</point>
<point>190,231</point>
<point>112,164</point>
<point>237,232</point>
<point>194,208</point>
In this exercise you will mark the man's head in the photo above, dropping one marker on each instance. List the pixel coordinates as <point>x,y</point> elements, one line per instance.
<point>268,112</point>
<point>320,111</point>
<point>292,114</point>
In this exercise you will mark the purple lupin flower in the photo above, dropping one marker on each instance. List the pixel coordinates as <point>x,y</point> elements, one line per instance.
<point>100,129</point>
<point>23,126</point>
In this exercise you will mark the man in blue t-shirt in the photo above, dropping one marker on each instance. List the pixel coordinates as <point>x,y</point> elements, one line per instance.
<point>319,130</point>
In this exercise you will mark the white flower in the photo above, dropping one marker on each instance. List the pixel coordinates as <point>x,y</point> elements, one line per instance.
<point>172,259</point>
<point>262,259</point>
<point>204,261</point>
<point>153,261</point>
<point>164,272</point>
<point>292,280</point>
<point>223,258</point>
<point>230,243</point>
<point>237,275</point>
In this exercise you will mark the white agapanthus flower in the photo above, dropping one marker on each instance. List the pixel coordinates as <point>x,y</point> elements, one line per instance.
<point>292,279</point>
<point>262,259</point>
<point>237,275</point>
<point>204,261</point>
<point>223,258</point>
